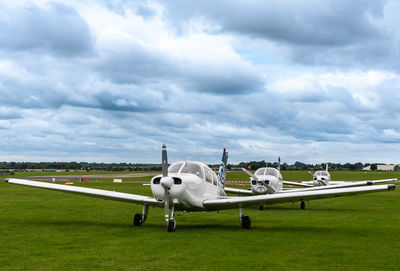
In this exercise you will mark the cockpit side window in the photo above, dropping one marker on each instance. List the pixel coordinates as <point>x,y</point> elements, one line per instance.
<point>192,168</point>
<point>215,178</point>
<point>209,175</point>
<point>174,168</point>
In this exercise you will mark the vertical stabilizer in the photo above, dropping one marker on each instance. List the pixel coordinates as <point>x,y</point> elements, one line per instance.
<point>279,163</point>
<point>327,165</point>
<point>221,173</point>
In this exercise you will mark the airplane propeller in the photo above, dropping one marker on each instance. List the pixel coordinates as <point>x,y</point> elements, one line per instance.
<point>251,174</point>
<point>312,174</point>
<point>166,181</point>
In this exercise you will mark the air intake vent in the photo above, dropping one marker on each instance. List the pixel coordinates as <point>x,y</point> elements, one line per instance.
<point>157,180</point>
<point>177,181</point>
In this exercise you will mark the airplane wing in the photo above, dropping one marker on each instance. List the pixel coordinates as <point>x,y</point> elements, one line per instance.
<point>238,191</point>
<point>368,182</point>
<point>299,183</point>
<point>236,202</point>
<point>91,192</point>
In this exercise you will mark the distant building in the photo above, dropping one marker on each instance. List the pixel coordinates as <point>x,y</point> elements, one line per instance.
<point>381,167</point>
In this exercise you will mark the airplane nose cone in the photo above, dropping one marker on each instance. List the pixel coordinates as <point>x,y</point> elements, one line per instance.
<point>261,189</point>
<point>167,182</point>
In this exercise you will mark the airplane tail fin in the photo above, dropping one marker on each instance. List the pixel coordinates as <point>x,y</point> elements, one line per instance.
<point>279,163</point>
<point>327,166</point>
<point>221,172</point>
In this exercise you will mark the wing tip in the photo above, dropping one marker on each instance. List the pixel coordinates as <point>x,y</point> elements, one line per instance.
<point>391,187</point>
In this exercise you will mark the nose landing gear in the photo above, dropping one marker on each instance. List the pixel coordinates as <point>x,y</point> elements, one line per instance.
<point>171,223</point>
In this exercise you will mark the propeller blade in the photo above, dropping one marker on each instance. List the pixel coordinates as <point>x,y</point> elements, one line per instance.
<point>250,174</point>
<point>312,174</point>
<point>164,161</point>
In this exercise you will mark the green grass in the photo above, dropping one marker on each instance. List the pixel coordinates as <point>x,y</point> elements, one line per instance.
<point>47,230</point>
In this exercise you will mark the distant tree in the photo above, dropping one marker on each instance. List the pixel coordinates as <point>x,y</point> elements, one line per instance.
<point>299,165</point>
<point>374,167</point>
<point>396,168</point>
<point>359,166</point>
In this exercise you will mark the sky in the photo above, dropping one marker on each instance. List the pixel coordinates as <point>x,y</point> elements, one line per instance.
<point>111,81</point>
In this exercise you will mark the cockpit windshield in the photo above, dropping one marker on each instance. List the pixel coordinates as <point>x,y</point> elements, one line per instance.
<point>260,171</point>
<point>267,171</point>
<point>322,173</point>
<point>175,167</point>
<point>271,171</point>
<point>192,168</point>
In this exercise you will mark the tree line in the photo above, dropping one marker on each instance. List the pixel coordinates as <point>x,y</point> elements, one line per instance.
<point>254,165</point>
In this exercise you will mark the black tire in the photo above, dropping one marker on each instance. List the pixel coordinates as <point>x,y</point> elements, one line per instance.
<point>171,225</point>
<point>262,207</point>
<point>137,220</point>
<point>246,222</point>
<point>302,205</point>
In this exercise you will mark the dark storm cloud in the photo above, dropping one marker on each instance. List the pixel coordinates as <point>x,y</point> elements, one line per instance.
<point>57,28</point>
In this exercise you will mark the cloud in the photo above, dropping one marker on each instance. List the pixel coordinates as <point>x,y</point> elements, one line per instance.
<point>54,28</point>
<point>307,23</point>
<point>326,33</point>
<point>112,81</point>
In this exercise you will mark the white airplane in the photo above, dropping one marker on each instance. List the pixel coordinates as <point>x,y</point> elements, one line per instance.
<point>323,178</point>
<point>268,180</point>
<point>193,186</point>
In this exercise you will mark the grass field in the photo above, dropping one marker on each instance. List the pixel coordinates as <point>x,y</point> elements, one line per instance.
<point>46,230</point>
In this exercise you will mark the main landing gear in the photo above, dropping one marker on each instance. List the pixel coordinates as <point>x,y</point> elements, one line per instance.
<point>139,219</point>
<point>302,205</point>
<point>244,220</point>
<point>171,225</point>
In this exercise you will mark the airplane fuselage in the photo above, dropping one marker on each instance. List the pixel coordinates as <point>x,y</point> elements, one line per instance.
<point>188,190</point>
<point>267,181</point>
<point>321,178</point>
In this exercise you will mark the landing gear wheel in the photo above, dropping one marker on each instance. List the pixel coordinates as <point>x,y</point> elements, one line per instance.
<point>137,220</point>
<point>171,225</point>
<point>302,205</point>
<point>246,223</point>
<point>262,207</point>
